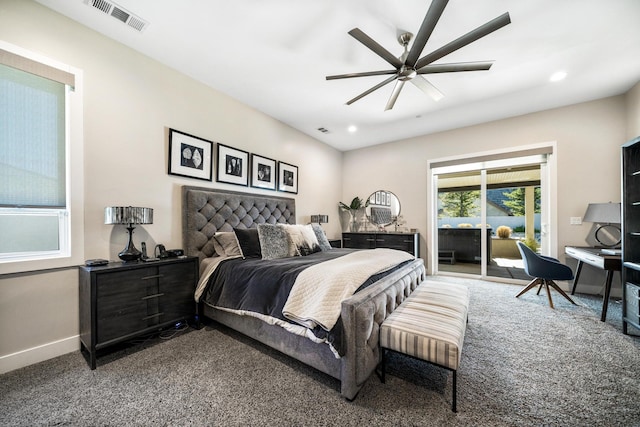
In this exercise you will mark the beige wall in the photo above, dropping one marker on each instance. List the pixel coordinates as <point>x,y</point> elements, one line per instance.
<point>588,138</point>
<point>633,112</point>
<point>130,101</point>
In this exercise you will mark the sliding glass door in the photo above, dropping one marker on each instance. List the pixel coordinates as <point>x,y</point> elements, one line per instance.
<point>482,209</point>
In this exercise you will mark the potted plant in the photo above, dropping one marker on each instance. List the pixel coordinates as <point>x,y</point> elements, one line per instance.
<point>503,232</point>
<point>353,208</point>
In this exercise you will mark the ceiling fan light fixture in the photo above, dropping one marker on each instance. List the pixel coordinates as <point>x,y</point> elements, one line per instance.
<point>410,67</point>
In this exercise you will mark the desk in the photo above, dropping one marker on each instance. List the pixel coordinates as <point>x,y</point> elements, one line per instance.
<point>603,261</point>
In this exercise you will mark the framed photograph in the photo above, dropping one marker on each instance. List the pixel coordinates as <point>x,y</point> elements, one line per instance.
<point>377,202</point>
<point>233,165</point>
<point>190,156</point>
<point>287,178</point>
<point>263,172</point>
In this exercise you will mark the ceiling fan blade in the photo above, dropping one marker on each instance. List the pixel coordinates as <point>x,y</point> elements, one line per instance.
<point>424,85</point>
<point>394,95</point>
<point>375,47</point>
<point>430,20</point>
<point>455,67</point>
<point>364,74</point>
<point>462,41</point>
<point>367,92</point>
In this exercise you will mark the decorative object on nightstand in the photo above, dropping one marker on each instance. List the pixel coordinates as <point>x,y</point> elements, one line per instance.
<point>607,216</point>
<point>128,215</point>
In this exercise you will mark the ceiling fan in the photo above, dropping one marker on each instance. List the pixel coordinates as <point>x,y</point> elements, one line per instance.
<point>409,67</point>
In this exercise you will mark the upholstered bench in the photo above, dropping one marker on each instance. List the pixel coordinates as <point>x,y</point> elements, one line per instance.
<point>429,325</point>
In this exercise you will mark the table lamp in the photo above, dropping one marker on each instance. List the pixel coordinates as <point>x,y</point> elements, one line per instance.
<point>320,219</point>
<point>128,215</point>
<point>607,216</point>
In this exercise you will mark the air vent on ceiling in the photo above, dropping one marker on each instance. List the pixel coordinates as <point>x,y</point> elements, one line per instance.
<point>119,13</point>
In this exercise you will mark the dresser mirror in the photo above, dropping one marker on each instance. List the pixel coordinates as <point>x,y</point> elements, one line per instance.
<point>383,208</point>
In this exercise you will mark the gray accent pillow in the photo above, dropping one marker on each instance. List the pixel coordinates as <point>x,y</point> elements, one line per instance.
<point>229,243</point>
<point>275,242</point>
<point>323,242</point>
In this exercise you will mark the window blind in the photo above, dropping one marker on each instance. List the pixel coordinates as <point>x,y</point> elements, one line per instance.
<point>32,140</point>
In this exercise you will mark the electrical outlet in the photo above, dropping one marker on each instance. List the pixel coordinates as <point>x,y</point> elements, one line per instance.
<point>575,220</point>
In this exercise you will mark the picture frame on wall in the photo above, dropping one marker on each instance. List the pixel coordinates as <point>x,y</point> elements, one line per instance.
<point>263,172</point>
<point>190,156</point>
<point>233,165</point>
<point>287,178</point>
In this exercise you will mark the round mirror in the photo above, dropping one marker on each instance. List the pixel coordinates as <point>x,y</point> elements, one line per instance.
<point>383,207</point>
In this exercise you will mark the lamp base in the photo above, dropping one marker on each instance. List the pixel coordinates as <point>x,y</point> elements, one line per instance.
<point>130,253</point>
<point>608,235</point>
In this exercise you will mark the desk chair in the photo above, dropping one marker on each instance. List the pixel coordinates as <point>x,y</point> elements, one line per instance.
<point>544,270</point>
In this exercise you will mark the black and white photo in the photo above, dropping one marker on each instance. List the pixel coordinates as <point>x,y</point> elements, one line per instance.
<point>233,165</point>
<point>287,178</point>
<point>190,156</point>
<point>263,172</point>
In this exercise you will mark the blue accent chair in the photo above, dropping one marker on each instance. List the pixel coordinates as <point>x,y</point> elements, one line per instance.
<point>544,270</point>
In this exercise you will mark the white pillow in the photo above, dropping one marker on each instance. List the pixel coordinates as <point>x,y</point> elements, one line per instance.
<point>303,238</point>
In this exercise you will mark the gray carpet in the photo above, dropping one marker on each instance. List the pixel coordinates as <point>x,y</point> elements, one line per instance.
<point>523,364</point>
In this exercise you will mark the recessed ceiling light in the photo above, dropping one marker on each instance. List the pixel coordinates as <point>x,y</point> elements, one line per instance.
<point>556,77</point>
<point>352,128</point>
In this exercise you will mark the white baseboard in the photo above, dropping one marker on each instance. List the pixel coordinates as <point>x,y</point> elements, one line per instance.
<point>38,354</point>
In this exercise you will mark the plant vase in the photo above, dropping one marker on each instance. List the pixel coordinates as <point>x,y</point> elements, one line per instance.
<point>354,225</point>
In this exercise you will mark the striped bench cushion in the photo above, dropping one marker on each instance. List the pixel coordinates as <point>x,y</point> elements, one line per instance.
<point>429,324</point>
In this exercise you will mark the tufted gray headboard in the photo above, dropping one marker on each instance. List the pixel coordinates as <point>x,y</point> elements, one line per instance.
<point>205,211</point>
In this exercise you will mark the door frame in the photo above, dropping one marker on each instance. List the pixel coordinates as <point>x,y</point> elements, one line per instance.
<point>549,212</point>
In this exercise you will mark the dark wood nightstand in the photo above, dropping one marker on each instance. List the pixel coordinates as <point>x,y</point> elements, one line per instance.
<point>119,301</point>
<point>335,243</point>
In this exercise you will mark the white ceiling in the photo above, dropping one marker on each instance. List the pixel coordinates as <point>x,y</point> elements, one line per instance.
<point>274,56</point>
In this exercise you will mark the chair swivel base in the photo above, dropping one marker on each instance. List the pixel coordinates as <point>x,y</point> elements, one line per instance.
<point>546,283</point>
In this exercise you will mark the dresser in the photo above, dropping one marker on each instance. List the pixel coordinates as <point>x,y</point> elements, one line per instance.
<point>408,242</point>
<point>119,301</point>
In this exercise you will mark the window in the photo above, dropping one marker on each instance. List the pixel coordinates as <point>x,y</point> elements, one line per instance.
<point>40,125</point>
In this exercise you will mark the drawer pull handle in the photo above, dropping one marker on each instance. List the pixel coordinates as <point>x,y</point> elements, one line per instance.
<point>152,316</point>
<point>155,276</point>
<point>371,240</point>
<point>153,296</point>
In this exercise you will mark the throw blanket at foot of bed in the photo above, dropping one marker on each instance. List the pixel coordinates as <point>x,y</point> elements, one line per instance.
<point>319,290</point>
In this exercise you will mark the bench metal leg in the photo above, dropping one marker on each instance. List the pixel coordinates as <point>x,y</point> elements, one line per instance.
<point>383,369</point>
<point>454,406</point>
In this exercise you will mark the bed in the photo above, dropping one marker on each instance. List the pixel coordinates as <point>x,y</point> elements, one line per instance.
<point>207,211</point>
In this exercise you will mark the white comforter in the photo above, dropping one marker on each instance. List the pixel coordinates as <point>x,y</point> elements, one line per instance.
<point>318,292</point>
